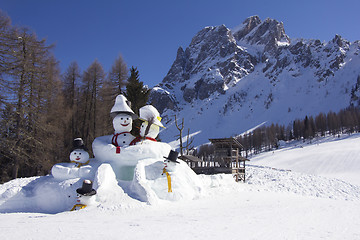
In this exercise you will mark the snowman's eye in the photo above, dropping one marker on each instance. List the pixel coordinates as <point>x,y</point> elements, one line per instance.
<point>127,118</point>
<point>122,118</point>
<point>74,153</point>
<point>79,153</point>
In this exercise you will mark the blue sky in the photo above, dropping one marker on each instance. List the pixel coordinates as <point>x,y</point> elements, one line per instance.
<point>148,33</point>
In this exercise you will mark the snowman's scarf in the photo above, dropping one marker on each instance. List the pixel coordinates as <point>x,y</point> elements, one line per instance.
<point>139,139</point>
<point>114,138</point>
<point>80,206</point>
<point>168,179</point>
<point>79,164</point>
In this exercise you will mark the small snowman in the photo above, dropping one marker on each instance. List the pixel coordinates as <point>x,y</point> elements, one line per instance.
<point>79,155</point>
<point>78,167</point>
<point>122,122</point>
<point>85,196</point>
<point>150,127</point>
<point>170,162</point>
<point>169,166</point>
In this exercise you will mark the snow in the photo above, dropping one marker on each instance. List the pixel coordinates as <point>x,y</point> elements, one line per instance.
<point>292,193</point>
<point>315,158</point>
<point>282,43</point>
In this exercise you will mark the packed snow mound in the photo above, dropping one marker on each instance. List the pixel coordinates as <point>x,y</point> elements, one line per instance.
<point>185,183</point>
<point>278,180</point>
<point>147,185</point>
<point>38,194</point>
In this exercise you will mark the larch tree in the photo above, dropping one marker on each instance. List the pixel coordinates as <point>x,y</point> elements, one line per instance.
<point>112,87</point>
<point>71,81</point>
<point>93,79</point>
<point>24,77</point>
<point>118,76</point>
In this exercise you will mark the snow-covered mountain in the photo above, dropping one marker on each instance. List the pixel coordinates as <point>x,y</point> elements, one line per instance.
<point>230,80</point>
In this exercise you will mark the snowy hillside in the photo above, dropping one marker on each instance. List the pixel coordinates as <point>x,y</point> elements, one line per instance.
<point>343,162</point>
<point>228,81</point>
<point>304,203</point>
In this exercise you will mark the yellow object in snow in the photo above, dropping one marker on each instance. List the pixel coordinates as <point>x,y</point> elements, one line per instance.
<point>80,206</point>
<point>168,179</point>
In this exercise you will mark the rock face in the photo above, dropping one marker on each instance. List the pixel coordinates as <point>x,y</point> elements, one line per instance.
<point>255,72</point>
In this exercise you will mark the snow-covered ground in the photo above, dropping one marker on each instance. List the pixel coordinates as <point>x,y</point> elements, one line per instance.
<point>318,199</point>
<point>336,157</point>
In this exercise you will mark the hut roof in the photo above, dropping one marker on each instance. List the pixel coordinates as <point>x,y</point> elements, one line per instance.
<point>190,158</point>
<point>226,141</point>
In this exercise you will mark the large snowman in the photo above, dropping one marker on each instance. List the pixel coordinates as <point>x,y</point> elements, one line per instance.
<point>122,150</point>
<point>150,126</point>
<point>106,148</point>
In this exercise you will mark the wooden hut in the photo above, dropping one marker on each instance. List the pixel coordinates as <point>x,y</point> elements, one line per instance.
<point>226,159</point>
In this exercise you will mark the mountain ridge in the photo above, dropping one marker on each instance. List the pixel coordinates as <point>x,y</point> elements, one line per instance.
<point>228,81</point>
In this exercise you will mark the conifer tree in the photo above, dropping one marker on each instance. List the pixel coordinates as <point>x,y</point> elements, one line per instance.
<point>136,93</point>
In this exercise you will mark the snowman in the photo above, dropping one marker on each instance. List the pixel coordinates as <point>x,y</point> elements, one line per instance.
<point>123,159</point>
<point>79,163</point>
<point>169,166</point>
<point>150,127</point>
<point>85,196</point>
<point>122,122</point>
<point>170,162</point>
<point>105,147</point>
<point>79,156</point>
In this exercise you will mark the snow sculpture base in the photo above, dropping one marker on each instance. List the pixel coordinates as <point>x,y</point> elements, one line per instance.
<point>149,179</point>
<point>109,193</point>
<point>125,162</point>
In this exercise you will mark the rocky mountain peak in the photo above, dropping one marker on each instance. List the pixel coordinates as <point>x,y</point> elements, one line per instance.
<point>254,73</point>
<point>270,33</point>
<point>247,26</point>
<point>340,42</point>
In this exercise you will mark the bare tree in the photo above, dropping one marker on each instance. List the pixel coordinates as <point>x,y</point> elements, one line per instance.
<point>189,140</point>
<point>118,76</point>
<point>25,78</point>
<point>93,79</point>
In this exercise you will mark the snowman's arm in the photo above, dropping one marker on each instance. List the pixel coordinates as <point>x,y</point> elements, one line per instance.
<point>64,171</point>
<point>85,172</point>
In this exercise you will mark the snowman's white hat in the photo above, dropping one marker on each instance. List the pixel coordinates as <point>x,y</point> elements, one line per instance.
<point>150,114</point>
<point>122,105</point>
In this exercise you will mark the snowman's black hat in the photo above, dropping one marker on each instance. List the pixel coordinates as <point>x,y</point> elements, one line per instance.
<point>173,155</point>
<point>78,143</point>
<point>86,189</point>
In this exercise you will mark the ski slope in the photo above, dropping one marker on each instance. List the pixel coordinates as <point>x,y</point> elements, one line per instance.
<point>334,157</point>
<point>312,201</point>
